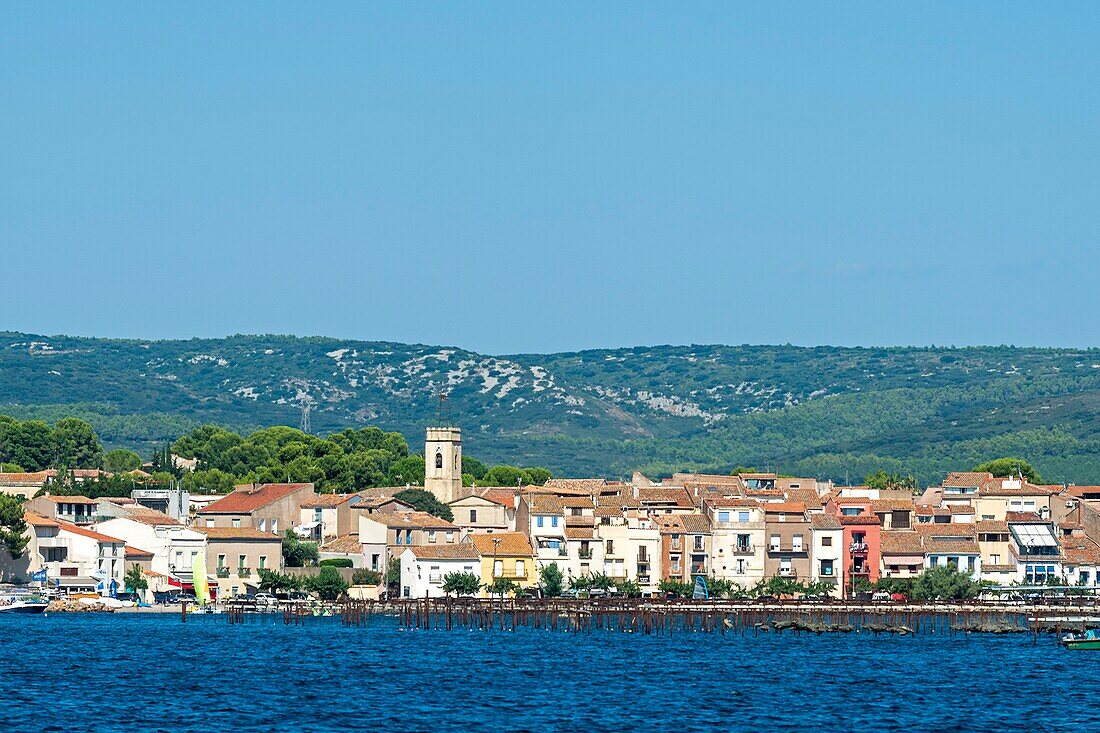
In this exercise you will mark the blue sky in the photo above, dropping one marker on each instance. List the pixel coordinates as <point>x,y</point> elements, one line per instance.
<point>515,178</point>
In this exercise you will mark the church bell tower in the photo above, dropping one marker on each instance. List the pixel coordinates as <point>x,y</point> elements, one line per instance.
<point>443,463</point>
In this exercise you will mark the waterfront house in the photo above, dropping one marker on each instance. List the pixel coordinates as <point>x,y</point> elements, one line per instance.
<point>827,560</point>
<point>996,498</point>
<point>737,539</point>
<point>424,567</point>
<point>998,565</point>
<point>506,555</point>
<point>685,546</point>
<point>235,556</point>
<point>542,518</point>
<point>862,549</point>
<point>894,513</point>
<point>584,548</point>
<point>632,551</point>
<point>1033,546</point>
<point>75,557</point>
<point>383,536</point>
<point>173,546</point>
<point>272,508</point>
<point>787,530</point>
<point>1080,561</point>
<point>952,545</point>
<point>902,552</point>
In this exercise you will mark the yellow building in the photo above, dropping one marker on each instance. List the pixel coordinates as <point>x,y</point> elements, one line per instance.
<point>506,555</point>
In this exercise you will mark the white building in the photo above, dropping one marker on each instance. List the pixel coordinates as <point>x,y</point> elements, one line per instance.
<point>173,545</point>
<point>424,567</point>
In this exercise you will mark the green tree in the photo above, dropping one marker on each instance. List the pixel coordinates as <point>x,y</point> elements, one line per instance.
<point>552,580</point>
<point>28,443</point>
<point>298,553</point>
<point>501,587</point>
<point>944,582</point>
<point>76,445</point>
<point>679,588</point>
<point>629,588</point>
<point>406,471</point>
<point>274,581</point>
<point>10,468</point>
<point>393,575</point>
<point>366,576</point>
<point>425,501</point>
<point>12,526</point>
<point>1005,467</point>
<point>134,580</point>
<point>461,584</point>
<point>504,476</point>
<point>537,476</point>
<point>882,480</point>
<point>474,468</point>
<point>329,584</point>
<point>599,581</point>
<point>120,461</point>
<point>209,481</point>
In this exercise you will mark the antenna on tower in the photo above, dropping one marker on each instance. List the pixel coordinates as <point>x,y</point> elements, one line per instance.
<point>305,416</point>
<point>441,406</point>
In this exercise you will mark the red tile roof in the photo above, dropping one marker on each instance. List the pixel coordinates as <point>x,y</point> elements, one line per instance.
<point>248,498</point>
<point>461,551</point>
<point>237,533</point>
<point>510,543</point>
<point>91,534</point>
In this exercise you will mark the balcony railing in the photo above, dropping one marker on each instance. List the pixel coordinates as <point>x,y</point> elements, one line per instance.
<point>865,570</point>
<point>244,572</point>
<point>223,572</point>
<point>584,554</point>
<point>743,550</point>
<point>858,548</point>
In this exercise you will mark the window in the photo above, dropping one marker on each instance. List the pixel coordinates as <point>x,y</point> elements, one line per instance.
<point>317,514</point>
<point>263,562</point>
<point>431,536</point>
<point>521,570</point>
<point>408,536</point>
<point>221,561</point>
<point>240,561</point>
<point>797,543</point>
<point>1085,577</point>
<point>723,516</point>
<point>740,567</point>
<point>610,547</point>
<point>209,522</point>
<point>675,562</point>
<point>374,561</point>
<point>826,568</point>
<point>263,525</point>
<point>827,541</point>
<point>742,516</point>
<point>553,521</point>
<point>473,516</point>
<point>236,523</point>
<point>450,536</point>
<point>438,460</point>
<point>773,542</point>
<point>538,520</point>
<point>785,566</point>
<point>274,526</point>
<point>698,542</point>
<point>498,568</point>
<point>995,559</point>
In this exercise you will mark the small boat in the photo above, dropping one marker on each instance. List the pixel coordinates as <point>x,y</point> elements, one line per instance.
<point>1088,640</point>
<point>29,606</point>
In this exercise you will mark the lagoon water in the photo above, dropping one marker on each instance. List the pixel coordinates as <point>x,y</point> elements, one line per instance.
<point>141,672</point>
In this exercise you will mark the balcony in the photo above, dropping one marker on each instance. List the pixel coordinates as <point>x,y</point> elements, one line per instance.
<point>858,548</point>
<point>223,572</point>
<point>787,573</point>
<point>585,554</point>
<point>865,570</point>
<point>743,550</point>
<point>792,550</point>
<point>244,572</point>
<point>698,568</point>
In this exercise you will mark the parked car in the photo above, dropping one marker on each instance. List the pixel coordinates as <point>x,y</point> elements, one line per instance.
<point>266,598</point>
<point>899,597</point>
<point>183,598</point>
<point>880,596</point>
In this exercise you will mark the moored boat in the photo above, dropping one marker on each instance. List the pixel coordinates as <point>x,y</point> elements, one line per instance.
<point>1088,640</point>
<point>29,606</point>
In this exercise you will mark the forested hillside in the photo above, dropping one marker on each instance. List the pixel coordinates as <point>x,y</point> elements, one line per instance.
<point>832,412</point>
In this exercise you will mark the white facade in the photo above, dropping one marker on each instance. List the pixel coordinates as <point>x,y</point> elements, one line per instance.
<point>174,547</point>
<point>422,576</point>
<point>443,463</point>
<point>737,537</point>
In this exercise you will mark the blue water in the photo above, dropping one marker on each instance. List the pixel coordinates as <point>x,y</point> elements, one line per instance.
<point>134,672</point>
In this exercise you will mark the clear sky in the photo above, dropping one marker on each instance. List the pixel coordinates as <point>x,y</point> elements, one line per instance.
<point>541,177</point>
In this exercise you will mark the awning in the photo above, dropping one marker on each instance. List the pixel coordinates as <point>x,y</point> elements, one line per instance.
<point>76,581</point>
<point>304,529</point>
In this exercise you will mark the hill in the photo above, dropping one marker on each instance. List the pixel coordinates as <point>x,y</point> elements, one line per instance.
<point>833,412</point>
